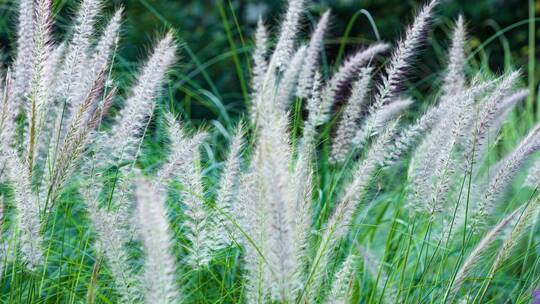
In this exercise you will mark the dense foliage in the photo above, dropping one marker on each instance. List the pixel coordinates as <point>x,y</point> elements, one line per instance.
<point>334,180</point>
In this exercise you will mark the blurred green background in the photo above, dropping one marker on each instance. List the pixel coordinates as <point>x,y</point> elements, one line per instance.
<point>213,72</point>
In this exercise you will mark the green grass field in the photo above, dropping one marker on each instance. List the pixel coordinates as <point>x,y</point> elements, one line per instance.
<point>389,252</point>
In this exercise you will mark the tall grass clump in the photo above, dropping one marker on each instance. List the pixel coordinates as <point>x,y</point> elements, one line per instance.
<point>327,194</point>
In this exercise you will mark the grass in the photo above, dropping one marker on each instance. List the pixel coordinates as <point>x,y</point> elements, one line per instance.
<point>408,259</point>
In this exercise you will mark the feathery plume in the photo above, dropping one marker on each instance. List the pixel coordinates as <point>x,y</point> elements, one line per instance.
<point>84,27</point>
<point>288,32</point>
<point>112,235</point>
<point>454,80</point>
<point>449,127</point>
<point>122,144</point>
<point>184,163</point>
<point>104,47</point>
<point>506,106</point>
<point>22,67</point>
<point>305,82</point>
<point>271,168</point>
<point>96,116</point>
<point>454,85</point>
<point>124,137</point>
<point>7,119</point>
<point>182,149</point>
<point>340,290</point>
<point>351,114</point>
<point>390,112</point>
<point>5,87</point>
<point>55,59</point>
<point>74,86</point>
<point>302,188</point>
<point>507,169</point>
<point>319,112</point>
<point>339,83</point>
<point>474,257</point>
<point>533,176</point>
<point>227,194</point>
<point>288,82</point>
<point>28,216</point>
<point>525,220</point>
<point>412,133</point>
<point>260,66</point>
<point>374,123</point>
<point>403,56</point>
<point>306,148</point>
<point>39,94</point>
<point>320,103</point>
<point>154,231</point>
<point>376,157</point>
<point>77,137</point>
<point>78,51</point>
<point>485,117</point>
<point>251,216</point>
<point>197,221</point>
<point>454,103</point>
<point>435,160</point>
<point>51,113</point>
<point>342,216</point>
